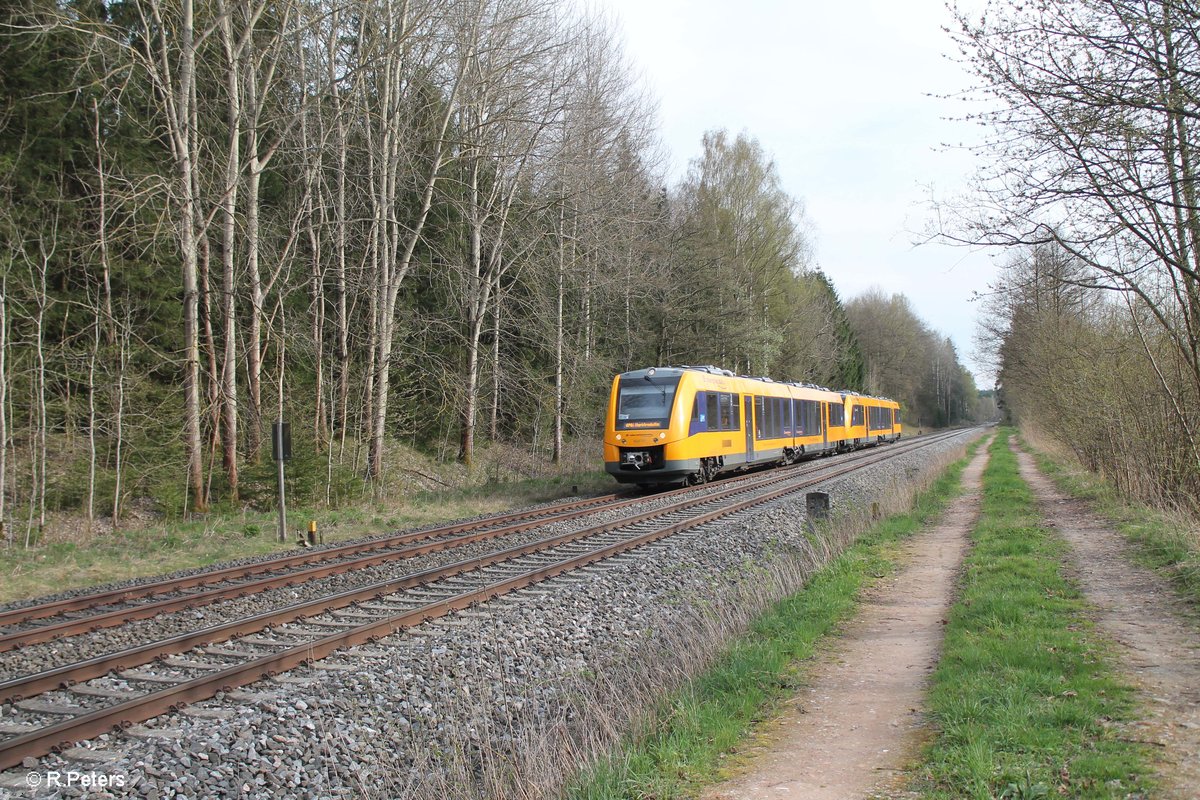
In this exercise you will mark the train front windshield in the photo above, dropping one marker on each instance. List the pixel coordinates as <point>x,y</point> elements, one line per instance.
<point>645,403</point>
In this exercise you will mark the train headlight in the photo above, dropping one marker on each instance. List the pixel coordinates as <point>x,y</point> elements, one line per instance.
<point>620,438</point>
<point>662,435</point>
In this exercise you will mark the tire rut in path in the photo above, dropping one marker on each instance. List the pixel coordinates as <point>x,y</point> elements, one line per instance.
<point>1156,636</point>
<point>859,721</point>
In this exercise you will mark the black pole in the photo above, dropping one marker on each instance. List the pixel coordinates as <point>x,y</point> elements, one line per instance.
<point>281,449</point>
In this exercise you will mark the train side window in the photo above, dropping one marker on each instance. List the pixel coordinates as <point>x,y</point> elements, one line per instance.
<point>896,416</point>
<point>725,415</point>
<point>714,416</point>
<point>736,405</point>
<point>759,418</point>
<point>808,413</point>
<point>856,416</point>
<point>837,415</point>
<point>697,407</point>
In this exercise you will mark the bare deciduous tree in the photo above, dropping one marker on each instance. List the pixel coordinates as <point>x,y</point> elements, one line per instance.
<point>1094,154</point>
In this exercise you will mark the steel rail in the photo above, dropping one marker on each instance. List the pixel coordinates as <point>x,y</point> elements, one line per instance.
<point>151,704</point>
<point>94,599</point>
<point>117,617</point>
<point>54,607</point>
<point>325,566</point>
<point>18,689</point>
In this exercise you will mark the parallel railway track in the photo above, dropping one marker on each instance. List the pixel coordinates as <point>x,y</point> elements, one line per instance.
<point>83,699</point>
<point>62,617</point>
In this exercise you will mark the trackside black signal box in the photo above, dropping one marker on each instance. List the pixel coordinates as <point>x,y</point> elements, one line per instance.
<point>281,440</point>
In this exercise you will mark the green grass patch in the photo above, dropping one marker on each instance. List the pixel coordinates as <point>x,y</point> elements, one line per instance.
<point>1169,545</point>
<point>1025,691</point>
<point>681,746</point>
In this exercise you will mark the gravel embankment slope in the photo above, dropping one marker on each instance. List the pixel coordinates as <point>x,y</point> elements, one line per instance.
<point>510,694</point>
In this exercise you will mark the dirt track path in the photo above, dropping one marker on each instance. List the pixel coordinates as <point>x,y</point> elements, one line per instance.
<point>1157,638</point>
<point>859,721</point>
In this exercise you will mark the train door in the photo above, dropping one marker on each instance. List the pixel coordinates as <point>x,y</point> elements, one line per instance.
<point>748,421</point>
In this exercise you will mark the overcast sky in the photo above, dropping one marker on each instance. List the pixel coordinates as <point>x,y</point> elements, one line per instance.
<point>839,95</point>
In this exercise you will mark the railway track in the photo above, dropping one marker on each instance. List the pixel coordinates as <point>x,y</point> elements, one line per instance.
<point>63,617</point>
<point>50,709</point>
<point>56,619</point>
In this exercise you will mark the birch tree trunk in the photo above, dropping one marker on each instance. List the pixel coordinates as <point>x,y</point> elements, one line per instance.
<point>341,147</point>
<point>168,54</point>
<point>39,424</point>
<point>394,243</point>
<point>119,423</point>
<point>228,399</point>
<point>260,81</point>
<point>92,420</point>
<point>6,531</point>
<point>559,332</point>
<point>494,426</point>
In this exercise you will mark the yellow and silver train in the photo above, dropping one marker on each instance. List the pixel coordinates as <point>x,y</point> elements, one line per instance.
<point>689,424</point>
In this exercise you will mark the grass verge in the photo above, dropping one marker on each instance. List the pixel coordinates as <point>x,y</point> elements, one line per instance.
<point>85,560</point>
<point>1168,543</point>
<point>1024,691</point>
<point>684,739</point>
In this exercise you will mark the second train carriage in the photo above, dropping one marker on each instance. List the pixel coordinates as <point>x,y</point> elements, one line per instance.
<point>688,424</point>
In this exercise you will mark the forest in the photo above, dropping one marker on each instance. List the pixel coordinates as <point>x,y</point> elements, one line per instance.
<point>437,223</point>
<point>1090,189</point>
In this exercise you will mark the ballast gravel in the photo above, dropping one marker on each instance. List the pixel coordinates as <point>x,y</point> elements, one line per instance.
<point>502,698</point>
